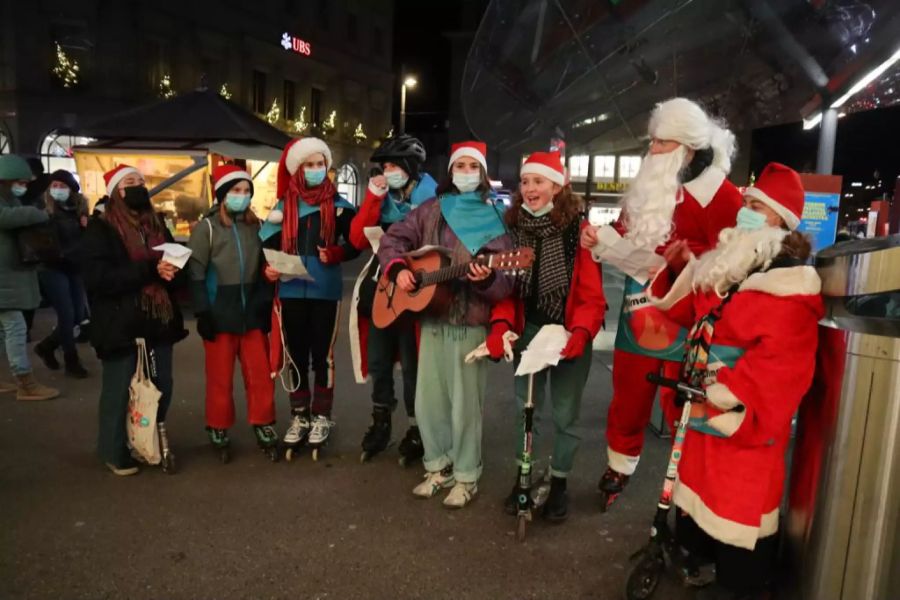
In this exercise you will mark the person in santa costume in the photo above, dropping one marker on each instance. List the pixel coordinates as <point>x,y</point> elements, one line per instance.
<point>681,192</point>
<point>753,305</point>
<point>563,287</point>
<point>233,302</point>
<point>312,221</point>
<point>400,187</point>
<point>449,392</point>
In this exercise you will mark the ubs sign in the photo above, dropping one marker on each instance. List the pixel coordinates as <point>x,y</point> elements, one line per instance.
<point>295,44</point>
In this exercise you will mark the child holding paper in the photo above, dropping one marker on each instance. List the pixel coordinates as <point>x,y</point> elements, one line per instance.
<point>564,287</point>
<point>232,301</point>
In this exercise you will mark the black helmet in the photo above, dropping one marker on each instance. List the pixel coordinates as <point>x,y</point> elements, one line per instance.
<point>401,146</point>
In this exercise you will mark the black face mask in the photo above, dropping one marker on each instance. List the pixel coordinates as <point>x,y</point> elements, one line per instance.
<point>137,198</point>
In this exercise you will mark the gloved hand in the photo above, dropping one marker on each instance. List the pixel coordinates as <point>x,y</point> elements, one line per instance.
<point>331,255</point>
<point>576,344</point>
<point>205,327</point>
<point>494,340</point>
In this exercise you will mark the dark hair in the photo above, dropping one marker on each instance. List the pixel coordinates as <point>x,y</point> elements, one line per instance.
<point>796,245</point>
<point>446,186</point>
<point>567,206</point>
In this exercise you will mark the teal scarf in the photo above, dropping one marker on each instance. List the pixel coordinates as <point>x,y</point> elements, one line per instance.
<point>474,221</point>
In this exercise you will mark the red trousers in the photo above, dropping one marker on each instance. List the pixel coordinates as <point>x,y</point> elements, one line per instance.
<point>251,349</point>
<point>632,403</point>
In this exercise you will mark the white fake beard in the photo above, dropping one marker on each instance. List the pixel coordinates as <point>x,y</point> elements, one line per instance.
<point>650,200</point>
<point>738,252</point>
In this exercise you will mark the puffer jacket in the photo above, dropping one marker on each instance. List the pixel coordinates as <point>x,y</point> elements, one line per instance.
<point>18,283</point>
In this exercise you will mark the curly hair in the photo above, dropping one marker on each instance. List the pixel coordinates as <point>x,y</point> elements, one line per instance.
<point>567,206</point>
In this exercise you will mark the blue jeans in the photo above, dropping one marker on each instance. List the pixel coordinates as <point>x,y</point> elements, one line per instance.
<point>66,294</point>
<point>112,438</point>
<point>12,341</point>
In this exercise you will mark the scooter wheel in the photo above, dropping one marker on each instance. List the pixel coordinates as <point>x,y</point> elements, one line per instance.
<point>521,525</point>
<point>643,578</point>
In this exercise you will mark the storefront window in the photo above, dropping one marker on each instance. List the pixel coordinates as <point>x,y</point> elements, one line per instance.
<point>605,167</point>
<point>628,166</point>
<point>348,183</point>
<point>56,151</point>
<point>578,166</point>
<point>265,186</point>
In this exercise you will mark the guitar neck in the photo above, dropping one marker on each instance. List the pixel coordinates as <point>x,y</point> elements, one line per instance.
<point>447,273</point>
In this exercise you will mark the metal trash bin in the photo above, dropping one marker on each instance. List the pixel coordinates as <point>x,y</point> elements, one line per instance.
<point>843,523</point>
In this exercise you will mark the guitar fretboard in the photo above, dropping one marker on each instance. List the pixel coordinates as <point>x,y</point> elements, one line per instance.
<point>447,273</point>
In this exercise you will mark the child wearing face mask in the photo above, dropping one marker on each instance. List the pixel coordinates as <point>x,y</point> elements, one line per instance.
<point>563,287</point>
<point>312,221</point>
<point>390,196</point>
<point>60,279</point>
<point>232,302</point>
<point>131,292</point>
<point>449,392</point>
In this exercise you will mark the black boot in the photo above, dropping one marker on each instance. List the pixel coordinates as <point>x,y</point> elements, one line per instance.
<point>74,368</point>
<point>46,352</point>
<point>557,506</point>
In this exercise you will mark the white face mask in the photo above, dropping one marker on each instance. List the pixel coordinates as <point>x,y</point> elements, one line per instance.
<point>539,212</point>
<point>396,179</point>
<point>466,182</point>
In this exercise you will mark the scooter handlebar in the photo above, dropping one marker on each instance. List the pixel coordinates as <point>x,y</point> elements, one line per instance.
<point>683,388</point>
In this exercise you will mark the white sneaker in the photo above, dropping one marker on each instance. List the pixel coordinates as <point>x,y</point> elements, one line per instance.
<point>461,494</point>
<point>434,482</point>
<point>321,428</point>
<point>297,431</point>
<point>122,471</point>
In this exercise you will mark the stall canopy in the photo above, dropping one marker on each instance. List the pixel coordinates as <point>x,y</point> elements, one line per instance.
<point>195,117</point>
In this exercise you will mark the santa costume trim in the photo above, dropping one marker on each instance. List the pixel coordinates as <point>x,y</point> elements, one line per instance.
<point>791,281</point>
<point>621,463</point>
<point>722,529</point>
<point>704,186</point>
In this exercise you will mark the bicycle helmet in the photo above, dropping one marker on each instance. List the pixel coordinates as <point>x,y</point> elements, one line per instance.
<point>404,150</point>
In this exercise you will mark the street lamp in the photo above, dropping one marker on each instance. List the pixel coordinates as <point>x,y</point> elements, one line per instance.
<point>409,82</point>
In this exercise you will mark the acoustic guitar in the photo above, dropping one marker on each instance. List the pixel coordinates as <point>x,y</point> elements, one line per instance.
<point>432,269</point>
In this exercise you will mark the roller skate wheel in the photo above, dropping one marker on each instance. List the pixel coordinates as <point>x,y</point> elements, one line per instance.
<point>224,456</point>
<point>643,578</point>
<point>272,452</point>
<point>364,457</point>
<point>315,454</point>
<point>289,454</point>
<point>521,525</point>
<point>168,464</point>
<point>402,461</point>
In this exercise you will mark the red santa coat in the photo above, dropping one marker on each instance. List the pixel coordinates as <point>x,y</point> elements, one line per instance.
<point>707,204</point>
<point>732,485</point>
<point>585,304</point>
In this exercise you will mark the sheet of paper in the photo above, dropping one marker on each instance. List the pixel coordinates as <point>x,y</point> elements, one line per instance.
<point>509,338</point>
<point>373,234</point>
<point>544,349</point>
<point>174,254</point>
<point>639,263</point>
<point>289,265</point>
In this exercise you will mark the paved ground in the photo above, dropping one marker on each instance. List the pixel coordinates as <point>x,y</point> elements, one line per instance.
<point>328,530</point>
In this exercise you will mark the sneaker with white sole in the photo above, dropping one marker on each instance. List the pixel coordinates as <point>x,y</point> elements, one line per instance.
<point>122,471</point>
<point>434,482</point>
<point>461,494</point>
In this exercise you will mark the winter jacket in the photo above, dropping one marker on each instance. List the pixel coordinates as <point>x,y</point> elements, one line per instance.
<point>18,283</point>
<point>471,301</point>
<point>225,272</point>
<point>327,281</point>
<point>370,213</point>
<point>67,222</point>
<point>114,282</point>
<point>761,363</point>
<point>585,304</point>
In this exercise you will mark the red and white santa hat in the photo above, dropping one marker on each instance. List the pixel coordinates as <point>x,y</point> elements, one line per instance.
<point>546,164</point>
<point>117,174</point>
<point>225,176</point>
<point>779,187</point>
<point>476,150</point>
<point>295,152</point>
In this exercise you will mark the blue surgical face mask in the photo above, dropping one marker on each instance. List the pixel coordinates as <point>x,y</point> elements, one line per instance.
<point>313,177</point>
<point>539,212</point>
<point>750,219</point>
<point>59,194</point>
<point>18,190</point>
<point>396,179</point>
<point>466,182</point>
<point>237,203</point>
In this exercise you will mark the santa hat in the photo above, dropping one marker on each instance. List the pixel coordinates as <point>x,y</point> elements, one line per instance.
<point>226,176</point>
<point>476,150</point>
<point>295,152</point>
<point>545,164</point>
<point>683,121</point>
<point>113,177</point>
<point>779,188</point>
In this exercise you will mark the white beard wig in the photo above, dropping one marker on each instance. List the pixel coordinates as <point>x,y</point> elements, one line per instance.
<point>738,252</point>
<point>650,200</point>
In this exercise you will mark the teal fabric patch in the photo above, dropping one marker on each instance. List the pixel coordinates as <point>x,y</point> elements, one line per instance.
<point>474,221</point>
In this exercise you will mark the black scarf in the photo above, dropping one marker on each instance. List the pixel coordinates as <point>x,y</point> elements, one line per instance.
<point>554,247</point>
